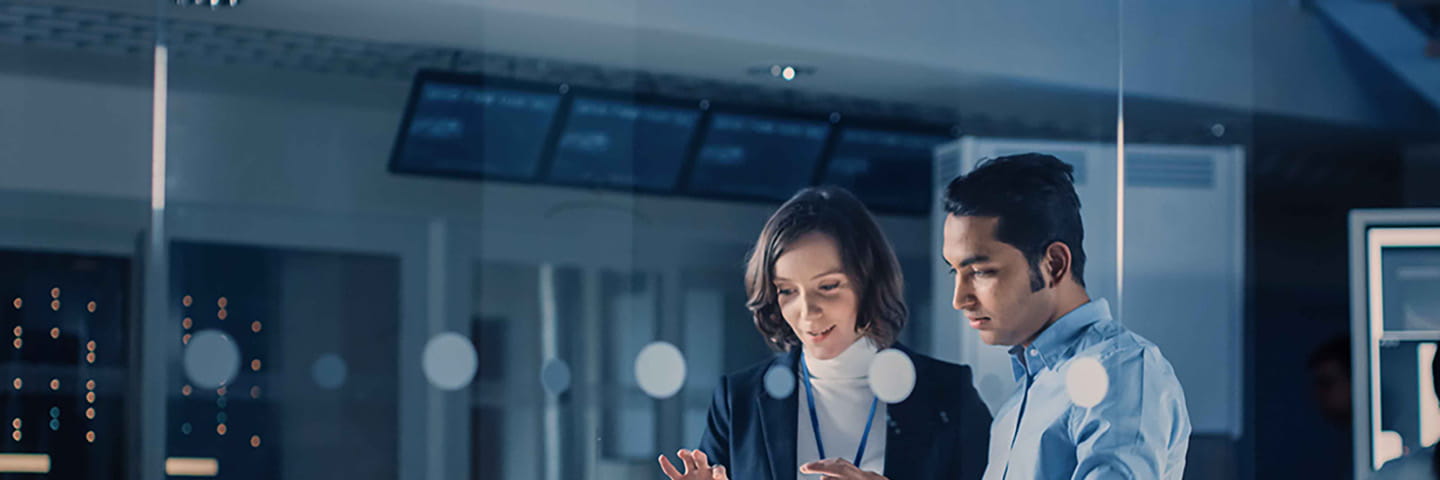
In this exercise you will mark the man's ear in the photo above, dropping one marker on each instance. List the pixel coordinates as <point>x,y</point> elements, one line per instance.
<point>1055,266</point>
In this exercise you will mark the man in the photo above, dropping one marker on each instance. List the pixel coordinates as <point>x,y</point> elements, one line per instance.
<point>1329,367</point>
<point>1013,240</point>
<point>1331,449</point>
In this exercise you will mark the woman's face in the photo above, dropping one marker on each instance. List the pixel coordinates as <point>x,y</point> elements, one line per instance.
<point>817,298</point>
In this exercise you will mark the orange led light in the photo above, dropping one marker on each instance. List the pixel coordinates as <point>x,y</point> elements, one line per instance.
<point>55,292</point>
<point>255,365</point>
<point>221,390</point>
<point>222,314</point>
<point>17,343</point>
<point>55,332</point>
<point>222,302</point>
<point>17,303</point>
<point>89,384</point>
<point>17,383</point>
<point>90,306</point>
<point>187,323</point>
<point>90,397</point>
<point>255,391</point>
<point>19,330</point>
<point>185,390</point>
<point>255,441</point>
<point>16,423</point>
<point>54,384</point>
<point>185,339</point>
<point>90,357</point>
<point>90,413</point>
<point>220,429</point>
<point>187,300</point>
<point>255,326</point>
<point>90,436</point>
<point>90,345</point>
<point>55,305</point>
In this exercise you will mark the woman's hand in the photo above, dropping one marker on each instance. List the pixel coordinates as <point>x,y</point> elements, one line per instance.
<point>697,467</point>
<point>838,469</point>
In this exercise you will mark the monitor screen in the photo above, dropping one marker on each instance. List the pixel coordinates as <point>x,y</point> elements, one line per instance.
<point>890,171</point>
<point>1411,279</point>
<point>473,129</point>
<point>619,143</point>
<point>757,156</point>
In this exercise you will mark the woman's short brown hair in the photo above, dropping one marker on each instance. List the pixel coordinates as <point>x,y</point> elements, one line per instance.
<point>864,253</point>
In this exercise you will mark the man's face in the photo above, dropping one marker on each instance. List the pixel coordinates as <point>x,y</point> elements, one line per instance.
<point>992,282</point>
<point>1330,386</point>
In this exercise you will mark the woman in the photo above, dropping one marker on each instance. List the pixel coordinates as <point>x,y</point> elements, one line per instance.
<point>825,289</point>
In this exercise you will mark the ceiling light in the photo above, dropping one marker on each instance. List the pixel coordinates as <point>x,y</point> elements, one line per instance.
<point>213,4</point>
<point>781,71</point>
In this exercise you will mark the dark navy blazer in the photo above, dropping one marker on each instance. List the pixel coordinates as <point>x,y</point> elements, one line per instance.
<point>940,432</point>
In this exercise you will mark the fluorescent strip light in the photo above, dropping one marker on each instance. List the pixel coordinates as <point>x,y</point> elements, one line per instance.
<point>24,463</point>
<point>192,467</point>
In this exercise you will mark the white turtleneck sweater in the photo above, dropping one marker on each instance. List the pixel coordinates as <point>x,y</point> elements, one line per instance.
<point>842,400</point>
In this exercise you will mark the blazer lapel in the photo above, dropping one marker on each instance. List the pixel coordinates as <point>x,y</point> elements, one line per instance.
<point>903,446</point>
<point>908,431</point>
<point>778,418</point>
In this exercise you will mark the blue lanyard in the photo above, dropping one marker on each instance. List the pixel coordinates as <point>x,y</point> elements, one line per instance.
<point>815,420</point>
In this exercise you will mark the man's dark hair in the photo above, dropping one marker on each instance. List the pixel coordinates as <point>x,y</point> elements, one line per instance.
<point>1335,350</point>
<point>1033,195</point>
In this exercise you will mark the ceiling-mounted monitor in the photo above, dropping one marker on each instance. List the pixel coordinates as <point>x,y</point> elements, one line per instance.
<point>468,125</point>
<point>757,156</point>
<point>625,142</point>
<point>889,170</point>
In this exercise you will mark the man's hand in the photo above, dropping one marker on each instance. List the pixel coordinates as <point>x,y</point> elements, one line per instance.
<point>697,467</point>
<point>838,469</point>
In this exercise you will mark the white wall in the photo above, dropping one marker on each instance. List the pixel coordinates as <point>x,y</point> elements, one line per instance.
<point>84,129</point>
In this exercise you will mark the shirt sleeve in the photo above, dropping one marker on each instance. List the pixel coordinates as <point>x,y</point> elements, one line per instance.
<point>1141,428</point>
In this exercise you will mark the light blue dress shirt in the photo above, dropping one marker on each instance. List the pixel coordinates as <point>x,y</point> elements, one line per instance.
<point>1139,429</point>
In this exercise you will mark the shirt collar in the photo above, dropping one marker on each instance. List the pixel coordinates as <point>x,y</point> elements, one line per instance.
<point>1055,344</point>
